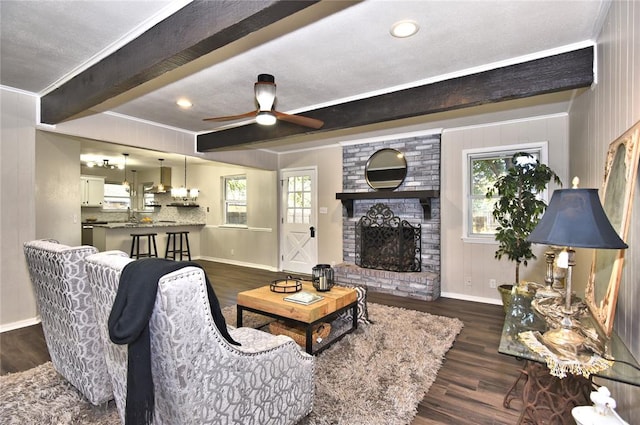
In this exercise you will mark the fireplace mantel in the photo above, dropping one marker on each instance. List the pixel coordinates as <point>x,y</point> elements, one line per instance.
<point>424,196</point>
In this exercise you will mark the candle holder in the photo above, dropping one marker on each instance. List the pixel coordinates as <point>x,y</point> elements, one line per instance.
<point>322,277</point>
<point>548,291</point>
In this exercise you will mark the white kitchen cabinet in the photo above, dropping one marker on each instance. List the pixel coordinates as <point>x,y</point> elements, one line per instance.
<point>91,191</point>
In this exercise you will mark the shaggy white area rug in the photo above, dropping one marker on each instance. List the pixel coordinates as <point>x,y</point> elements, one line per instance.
<point>376,375</point>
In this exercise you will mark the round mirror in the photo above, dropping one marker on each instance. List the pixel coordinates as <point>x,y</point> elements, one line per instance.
<point>386,169</point>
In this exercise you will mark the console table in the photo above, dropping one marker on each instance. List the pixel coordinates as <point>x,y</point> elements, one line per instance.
<point>546,397</point>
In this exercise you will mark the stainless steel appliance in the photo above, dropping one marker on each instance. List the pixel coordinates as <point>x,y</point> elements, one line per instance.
<point>87,232</point>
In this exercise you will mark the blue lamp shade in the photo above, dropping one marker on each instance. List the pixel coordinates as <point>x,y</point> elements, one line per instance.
<point>575,218</point>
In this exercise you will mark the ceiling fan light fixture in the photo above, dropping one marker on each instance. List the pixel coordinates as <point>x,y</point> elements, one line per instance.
<point>266,118</point>
<point>265,91</point>
<point>405,28</point>
<point>265,95</point>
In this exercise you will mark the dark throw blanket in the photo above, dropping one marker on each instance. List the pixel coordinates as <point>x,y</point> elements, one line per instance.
<point>129,324</point>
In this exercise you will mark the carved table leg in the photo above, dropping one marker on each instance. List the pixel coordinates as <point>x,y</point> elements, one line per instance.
<point>548,399</point>
<point>513,394</point>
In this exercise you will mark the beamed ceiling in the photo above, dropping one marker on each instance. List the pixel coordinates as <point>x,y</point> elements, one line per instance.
<point>334,61</point>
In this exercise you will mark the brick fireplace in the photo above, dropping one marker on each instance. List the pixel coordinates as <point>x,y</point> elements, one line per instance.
<point>422,154</point>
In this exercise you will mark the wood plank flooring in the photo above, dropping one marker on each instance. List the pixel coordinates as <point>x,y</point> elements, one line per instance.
<point>469,388</point>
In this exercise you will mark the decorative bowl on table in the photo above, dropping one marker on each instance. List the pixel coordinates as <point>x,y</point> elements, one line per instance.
<point>286,286</point>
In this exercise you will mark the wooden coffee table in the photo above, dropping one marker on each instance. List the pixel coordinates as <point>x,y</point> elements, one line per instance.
<point>268,303</point>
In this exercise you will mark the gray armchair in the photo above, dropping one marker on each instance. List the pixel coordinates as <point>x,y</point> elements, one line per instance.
<point>198,376</point>
<point>66,309</point>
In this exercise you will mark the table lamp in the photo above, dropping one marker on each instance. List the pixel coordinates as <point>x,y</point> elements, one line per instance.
<point>574,219</point>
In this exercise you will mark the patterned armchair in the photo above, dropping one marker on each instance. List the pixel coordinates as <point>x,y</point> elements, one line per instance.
<point>198,377</point>
<point>66,308</point>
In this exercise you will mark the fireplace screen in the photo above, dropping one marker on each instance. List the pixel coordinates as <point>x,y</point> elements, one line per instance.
<point>385,242</point>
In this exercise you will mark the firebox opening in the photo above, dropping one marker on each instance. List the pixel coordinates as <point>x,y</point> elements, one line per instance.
<point>385,242</point>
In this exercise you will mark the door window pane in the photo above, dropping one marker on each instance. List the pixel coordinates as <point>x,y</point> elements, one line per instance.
<point>299,200</point>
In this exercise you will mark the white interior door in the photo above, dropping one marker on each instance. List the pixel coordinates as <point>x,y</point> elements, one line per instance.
<point>298,246</point>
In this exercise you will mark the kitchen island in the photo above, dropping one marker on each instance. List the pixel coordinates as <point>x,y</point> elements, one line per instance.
<point>117,235</point>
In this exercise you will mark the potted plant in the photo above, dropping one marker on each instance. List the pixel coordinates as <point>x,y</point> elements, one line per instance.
<point>519,207</point>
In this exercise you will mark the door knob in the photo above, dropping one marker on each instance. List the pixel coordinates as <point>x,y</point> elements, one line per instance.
<point>312,230</point>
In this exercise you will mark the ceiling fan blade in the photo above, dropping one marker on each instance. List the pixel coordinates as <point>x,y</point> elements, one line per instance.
<point>251,114</point>
<point>299,119</point>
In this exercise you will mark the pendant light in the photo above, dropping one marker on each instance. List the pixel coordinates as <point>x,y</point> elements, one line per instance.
<point>125,183</point>
<point>182,193</point>
<point>134,183</point>
<point>161,188</point>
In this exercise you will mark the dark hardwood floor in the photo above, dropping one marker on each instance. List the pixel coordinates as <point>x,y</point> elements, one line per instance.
<point>469,388</point>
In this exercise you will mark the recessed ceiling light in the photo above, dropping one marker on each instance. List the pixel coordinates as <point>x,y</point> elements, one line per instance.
<point>184,103</point>
<point>405,28</point>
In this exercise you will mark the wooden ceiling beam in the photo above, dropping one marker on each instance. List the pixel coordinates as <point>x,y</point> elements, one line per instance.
<point>565,71</point>
<point>192,32</point>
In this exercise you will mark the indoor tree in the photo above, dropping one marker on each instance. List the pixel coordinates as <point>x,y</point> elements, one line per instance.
<point>519,206</point>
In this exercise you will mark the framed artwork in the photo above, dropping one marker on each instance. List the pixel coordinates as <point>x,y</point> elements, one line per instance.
<point>620,175</point>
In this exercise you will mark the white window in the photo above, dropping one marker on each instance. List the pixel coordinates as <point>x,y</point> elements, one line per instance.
<point>482,168</point>
<point>116,197</point>
<point>235,200</point>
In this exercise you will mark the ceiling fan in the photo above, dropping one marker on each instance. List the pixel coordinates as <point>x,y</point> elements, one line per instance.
<point>265,91</point>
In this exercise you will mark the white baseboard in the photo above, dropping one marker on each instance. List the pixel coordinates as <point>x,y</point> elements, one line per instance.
<point>19,324</point>
<point>240,263</point>
<point>465,297</point>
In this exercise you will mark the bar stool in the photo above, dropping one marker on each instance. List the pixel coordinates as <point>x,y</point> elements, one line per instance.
<point>172,238</point>
<point>135,245</point>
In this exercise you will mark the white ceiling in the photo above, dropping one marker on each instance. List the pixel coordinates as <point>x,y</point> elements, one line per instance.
<point>347,55</point>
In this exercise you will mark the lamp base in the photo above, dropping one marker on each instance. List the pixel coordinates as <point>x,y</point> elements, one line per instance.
<point>564,341</point>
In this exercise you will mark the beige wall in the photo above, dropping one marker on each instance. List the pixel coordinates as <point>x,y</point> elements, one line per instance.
<point>57,188</point>
<point>17,206</point>
<point>597,118</point>
<point>463,261</point>
<point>255,245</point>
<point>329,165</point>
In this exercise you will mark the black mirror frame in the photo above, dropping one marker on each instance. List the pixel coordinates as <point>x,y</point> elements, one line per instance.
<point>396,175</point>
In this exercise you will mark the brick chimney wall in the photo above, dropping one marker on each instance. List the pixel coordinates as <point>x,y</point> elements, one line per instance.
<point>423,173</point>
